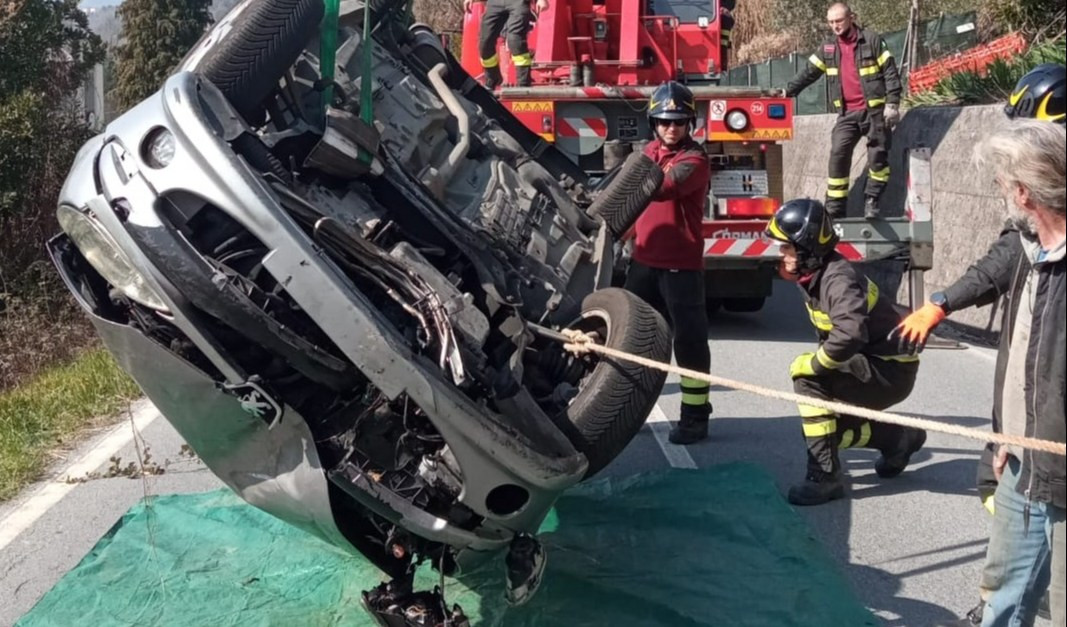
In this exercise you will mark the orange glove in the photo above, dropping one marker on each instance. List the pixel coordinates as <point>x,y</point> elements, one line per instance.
<point>911,334</point>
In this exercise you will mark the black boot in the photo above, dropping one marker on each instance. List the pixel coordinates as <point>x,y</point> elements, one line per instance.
<point>524,565</point>
<point>894,461</point>
<point>870,208</point>
<point>819,487</point>
<point>836,207</point>
<point>493,78</point>
<point>693,426</point>
<point>522,75</point>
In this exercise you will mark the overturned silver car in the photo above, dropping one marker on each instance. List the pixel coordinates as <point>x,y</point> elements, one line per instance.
<point>345,290</point>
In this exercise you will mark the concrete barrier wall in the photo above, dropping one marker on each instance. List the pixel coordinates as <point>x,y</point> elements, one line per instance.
<point>967,207</point>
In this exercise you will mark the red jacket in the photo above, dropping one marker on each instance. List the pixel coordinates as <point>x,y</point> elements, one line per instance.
<point>668,232</point>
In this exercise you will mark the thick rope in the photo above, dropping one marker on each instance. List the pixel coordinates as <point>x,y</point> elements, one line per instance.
<point>580,343</point>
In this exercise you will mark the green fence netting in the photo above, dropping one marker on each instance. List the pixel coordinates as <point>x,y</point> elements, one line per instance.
<point>674,549</point>
<point>939,37</point>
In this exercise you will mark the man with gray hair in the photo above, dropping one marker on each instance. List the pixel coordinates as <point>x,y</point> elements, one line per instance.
<point>1028,161</point>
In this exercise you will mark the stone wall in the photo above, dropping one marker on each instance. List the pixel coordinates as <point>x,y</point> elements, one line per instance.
<point>968,210</point>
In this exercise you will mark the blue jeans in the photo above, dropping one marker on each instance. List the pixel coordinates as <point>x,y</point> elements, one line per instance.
<point>1018,561</point>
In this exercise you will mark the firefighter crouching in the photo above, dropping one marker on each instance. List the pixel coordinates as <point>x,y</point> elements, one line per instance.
<point>855,363</point>
<point>865,89</point>
<point>667,270</point>
<point>513,17</point>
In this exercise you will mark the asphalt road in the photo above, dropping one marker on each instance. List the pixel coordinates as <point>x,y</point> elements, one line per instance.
<point>911,547</point>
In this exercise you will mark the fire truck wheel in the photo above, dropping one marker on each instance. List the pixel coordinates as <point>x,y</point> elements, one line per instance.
<point>744,305</point>
<point>250,49</point>
<point>615,397</point>
<point>628,193</point>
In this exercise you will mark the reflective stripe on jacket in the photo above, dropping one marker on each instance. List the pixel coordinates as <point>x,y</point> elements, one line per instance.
<point>851,313</point>
<point>873,61</point>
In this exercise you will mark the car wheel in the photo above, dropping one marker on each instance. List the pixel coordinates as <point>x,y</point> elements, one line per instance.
<point>628,193</point>
<point>615,397</point>
<point>744,305</point>
<point>250,49</point>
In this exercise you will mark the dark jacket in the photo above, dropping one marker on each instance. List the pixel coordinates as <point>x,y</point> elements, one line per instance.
<point>851,313</point>
<point>878,71</point>
<point>1003,272</point>
<point>668,233</point>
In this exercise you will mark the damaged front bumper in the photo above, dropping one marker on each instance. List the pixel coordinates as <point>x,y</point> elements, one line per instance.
<point>275,464</point>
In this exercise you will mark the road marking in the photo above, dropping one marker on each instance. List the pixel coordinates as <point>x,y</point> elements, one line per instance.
<point>677,456</point>
<point>985,353</point>
<point>53,492</point>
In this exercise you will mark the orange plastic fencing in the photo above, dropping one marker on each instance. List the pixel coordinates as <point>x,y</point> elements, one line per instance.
<point>976,59</point>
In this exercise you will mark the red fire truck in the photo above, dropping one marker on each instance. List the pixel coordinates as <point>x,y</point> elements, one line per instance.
<point>595,65</point>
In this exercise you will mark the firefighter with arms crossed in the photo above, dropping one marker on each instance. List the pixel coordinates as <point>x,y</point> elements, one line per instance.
<point>667,270</point>
<point>854,363</point>
<point>865,89</point>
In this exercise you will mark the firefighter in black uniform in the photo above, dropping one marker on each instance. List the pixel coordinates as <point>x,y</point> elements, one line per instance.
<point>854,363</point>
<point>512,17</point>
<point>865,88</point>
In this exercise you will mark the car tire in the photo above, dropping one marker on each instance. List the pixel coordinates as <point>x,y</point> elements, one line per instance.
<point>249,50</point>
<point>615,398</point>
<point>744,305</point>
<point>628,193</point>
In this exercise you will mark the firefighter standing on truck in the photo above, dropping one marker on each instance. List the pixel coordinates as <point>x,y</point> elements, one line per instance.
<point>854,363</point>
<point>512,17</point>
<point>667,269</point>
<point>865,88</point>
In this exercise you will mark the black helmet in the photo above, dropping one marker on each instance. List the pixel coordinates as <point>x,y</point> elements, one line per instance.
<point>805,224</point>
<point>672,101</point>
<point>1041,94</point>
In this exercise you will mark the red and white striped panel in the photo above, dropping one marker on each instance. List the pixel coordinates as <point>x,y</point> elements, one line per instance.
<point>582,127</point>
<point>700,133</point>
<point>763,249</point>
<point>851,252</point>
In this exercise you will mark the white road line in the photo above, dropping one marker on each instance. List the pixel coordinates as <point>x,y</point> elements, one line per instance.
<point>985,353</point>
<point>53,492</point>
<point>677,456</point>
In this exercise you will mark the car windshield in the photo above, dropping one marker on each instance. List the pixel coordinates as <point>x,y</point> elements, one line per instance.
<point>687,11</point>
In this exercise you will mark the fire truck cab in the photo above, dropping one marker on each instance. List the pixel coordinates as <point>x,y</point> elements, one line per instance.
<point>595,64</point>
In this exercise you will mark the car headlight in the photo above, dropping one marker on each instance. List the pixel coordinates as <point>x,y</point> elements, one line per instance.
<point>103,254</point>
<point>158,148</point>
<point>736,120</point>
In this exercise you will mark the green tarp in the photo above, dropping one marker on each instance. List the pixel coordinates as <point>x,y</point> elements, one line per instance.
<point>679,548</point>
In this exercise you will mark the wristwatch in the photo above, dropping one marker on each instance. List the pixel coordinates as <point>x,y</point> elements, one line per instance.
<point>939,299</point>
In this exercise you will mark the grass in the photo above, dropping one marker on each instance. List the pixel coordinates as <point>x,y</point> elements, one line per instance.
<point>968,88</point>
<point>51,410</point>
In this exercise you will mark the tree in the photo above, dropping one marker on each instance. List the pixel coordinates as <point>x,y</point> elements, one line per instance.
<point>48,52</point>
<point>156,36</point>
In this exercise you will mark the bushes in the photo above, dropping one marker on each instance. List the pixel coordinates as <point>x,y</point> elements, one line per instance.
<point>995,85</point>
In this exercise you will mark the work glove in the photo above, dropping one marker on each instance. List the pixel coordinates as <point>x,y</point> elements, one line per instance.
<point>802,366</point>
<point>911,334</point>
<point>892,115</point>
